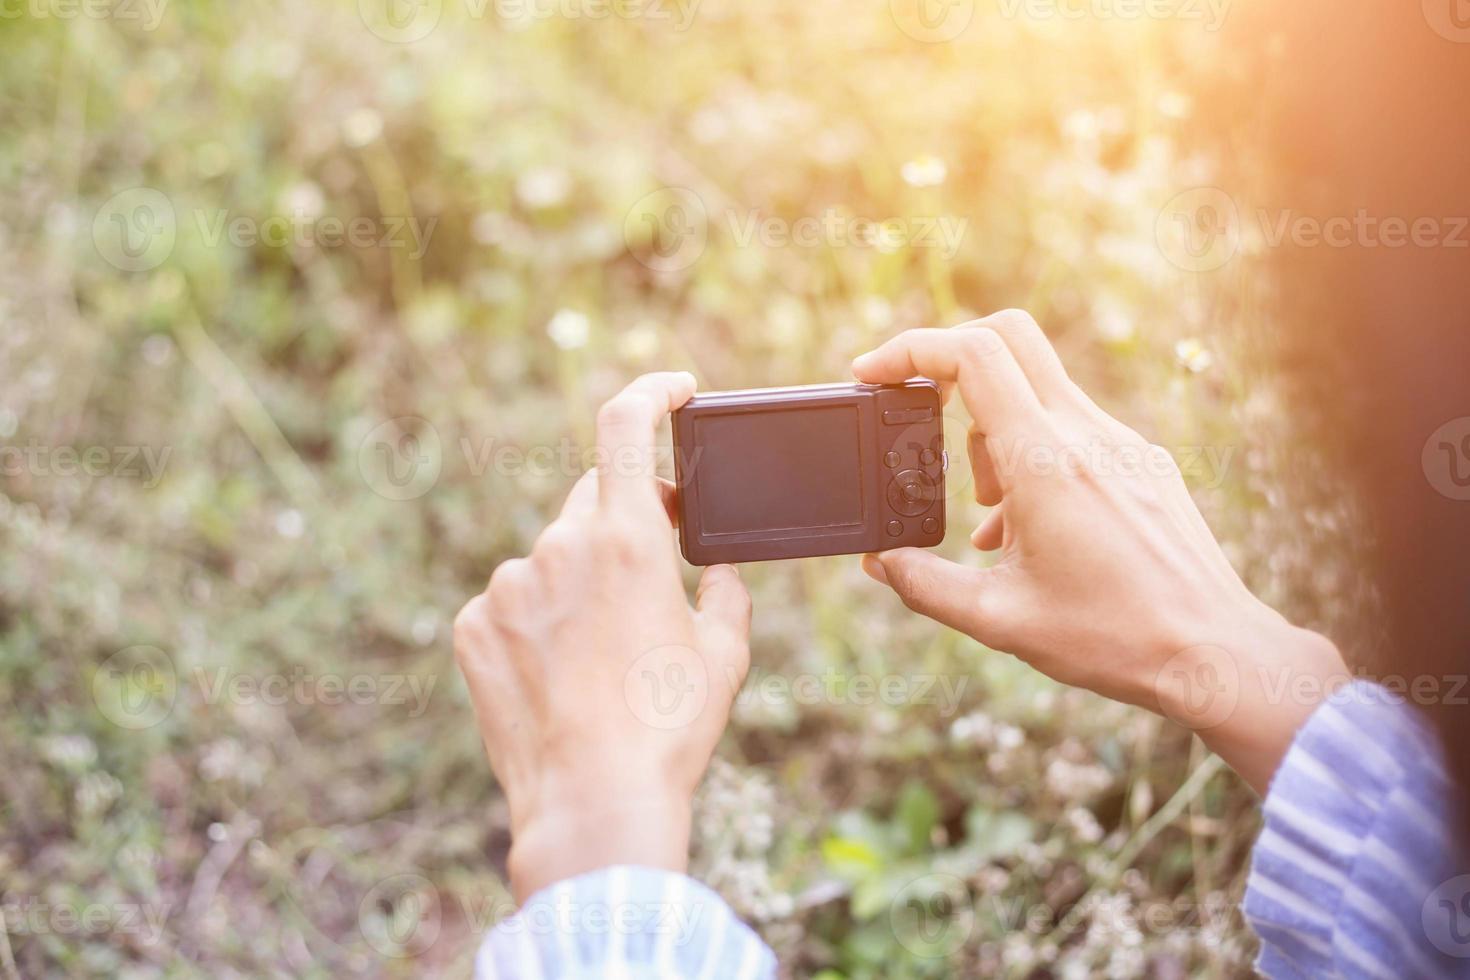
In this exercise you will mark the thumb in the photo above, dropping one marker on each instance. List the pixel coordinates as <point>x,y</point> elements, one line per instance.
<point>932,586</point>
<point>723,617</point>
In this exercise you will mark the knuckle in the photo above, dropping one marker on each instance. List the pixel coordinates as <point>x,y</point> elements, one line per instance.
<point>557,545</point>
<point>470,629</point>
<point>620,542</point>
<point>470,618</point>
<point>626,408</point>
<point>507,582</point>
<point>982,343</point>
<point>1018,320</point>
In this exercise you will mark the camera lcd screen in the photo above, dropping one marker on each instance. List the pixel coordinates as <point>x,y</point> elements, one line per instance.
<point>773,471</point>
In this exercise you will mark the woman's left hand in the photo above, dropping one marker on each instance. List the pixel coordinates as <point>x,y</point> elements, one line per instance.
<point>600,692</point>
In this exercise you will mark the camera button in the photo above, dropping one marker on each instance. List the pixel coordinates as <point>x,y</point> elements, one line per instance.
<point>891,459</point>
<point>931,525</point>
<point>895,528</point>
<point>908,416</point>
<point>911,493</point>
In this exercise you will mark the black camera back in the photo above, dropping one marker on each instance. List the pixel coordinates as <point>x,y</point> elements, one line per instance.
<point>818,470</point>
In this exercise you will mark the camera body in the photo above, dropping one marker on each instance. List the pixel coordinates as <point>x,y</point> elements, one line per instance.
<point>817,470</point>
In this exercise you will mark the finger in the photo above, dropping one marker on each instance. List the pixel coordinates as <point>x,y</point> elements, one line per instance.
<point>582,499</point>
<point>991,532</point>
<point>669,495</point>
<point>991,383</point>
<point>1037,357</point>
<point>933,587</point>
<point>627,427</point>
<point>982,465</point>
<point>722,606</point>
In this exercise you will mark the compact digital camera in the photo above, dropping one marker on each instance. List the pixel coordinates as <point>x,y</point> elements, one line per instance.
<point>820,470</point>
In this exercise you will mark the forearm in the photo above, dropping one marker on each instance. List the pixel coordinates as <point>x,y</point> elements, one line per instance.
<point>574,838</point>
<point>1250,687</point>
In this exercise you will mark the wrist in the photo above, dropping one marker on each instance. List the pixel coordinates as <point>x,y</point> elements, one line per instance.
<point>1247,685</point>
<point>570,835</point>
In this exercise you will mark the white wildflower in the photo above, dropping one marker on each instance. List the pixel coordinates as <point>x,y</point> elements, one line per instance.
<point>569,329</point>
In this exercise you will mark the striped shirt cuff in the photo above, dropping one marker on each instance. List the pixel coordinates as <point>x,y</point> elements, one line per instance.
<point>624,922</point>
<point>1358,842</point>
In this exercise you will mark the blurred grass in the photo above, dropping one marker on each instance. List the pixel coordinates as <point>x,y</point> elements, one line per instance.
<point>275,838</point>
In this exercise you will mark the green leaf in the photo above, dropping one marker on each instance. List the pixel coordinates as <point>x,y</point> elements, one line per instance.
<point>993,835</point>
<point>916,814</point>
<point>851,858</point>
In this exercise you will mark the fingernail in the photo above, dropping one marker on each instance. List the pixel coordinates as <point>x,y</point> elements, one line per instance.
<point>874,568</point>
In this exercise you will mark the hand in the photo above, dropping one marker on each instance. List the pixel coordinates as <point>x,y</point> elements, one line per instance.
<point>600,693</point>
<point>1108,577</point>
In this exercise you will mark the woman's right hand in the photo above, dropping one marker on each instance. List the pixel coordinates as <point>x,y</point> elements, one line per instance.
<point>1108,577</point>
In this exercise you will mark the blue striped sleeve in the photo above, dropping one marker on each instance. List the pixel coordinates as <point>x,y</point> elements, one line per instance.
<point>625,922</point>
<point>1358,871</point>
